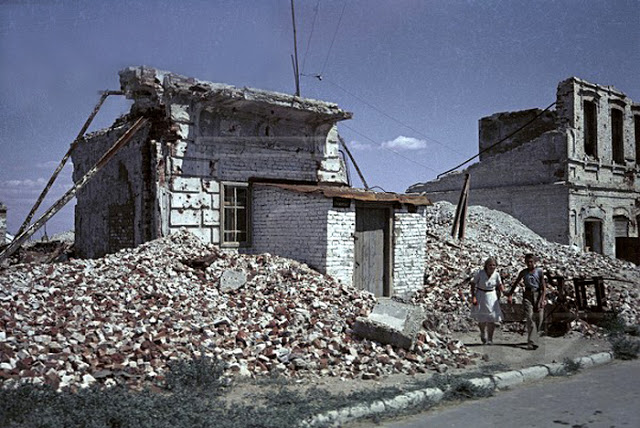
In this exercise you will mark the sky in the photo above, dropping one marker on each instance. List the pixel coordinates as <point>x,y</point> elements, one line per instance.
<point>417,75</point>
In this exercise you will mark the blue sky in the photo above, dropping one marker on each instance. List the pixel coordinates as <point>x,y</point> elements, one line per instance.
<point>416,74</point>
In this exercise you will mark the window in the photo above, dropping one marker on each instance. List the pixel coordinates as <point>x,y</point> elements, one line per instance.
<point>617,139</point>
<point>593,235</point>
<point>235,214</point>
<point>590,129</point>
<point>636,125</point>
<point>621,226</point>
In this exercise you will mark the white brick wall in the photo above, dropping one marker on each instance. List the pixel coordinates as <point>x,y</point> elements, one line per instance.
<point>409,251</point>
<point>290,224</point>
<point>341,225</point>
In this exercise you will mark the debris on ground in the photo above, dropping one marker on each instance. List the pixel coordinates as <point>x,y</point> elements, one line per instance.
<point>122,318</point>
<point>450,264</point>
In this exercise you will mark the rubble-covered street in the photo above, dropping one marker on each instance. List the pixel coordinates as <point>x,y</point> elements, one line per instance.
<point>122,318</point>
<point>490,233</point>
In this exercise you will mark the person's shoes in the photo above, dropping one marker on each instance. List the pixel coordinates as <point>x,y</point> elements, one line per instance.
<point>483,340</point>
<point>489,342</point>
<point>532,346</point>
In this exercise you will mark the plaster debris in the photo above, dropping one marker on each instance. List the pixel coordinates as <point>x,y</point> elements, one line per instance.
<point>450,264</point>
<point>124,317</point>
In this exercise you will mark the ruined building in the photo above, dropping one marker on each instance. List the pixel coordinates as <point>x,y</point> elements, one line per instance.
<point>3,224</point>
<point>249,170</point>
<point>571,175</point>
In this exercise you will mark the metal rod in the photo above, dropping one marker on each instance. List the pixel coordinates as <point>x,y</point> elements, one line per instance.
<point>366,186</point>
<point>19,239</point>
<point>73,145</point>
<point>295,49</point>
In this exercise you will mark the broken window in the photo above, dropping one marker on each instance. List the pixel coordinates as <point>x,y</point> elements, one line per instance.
<point>621,225</point>
<point>617,139</point>
<point>593,235</point>
<point>636,123</point>
<point>235,214</point>
<point>590,129</point>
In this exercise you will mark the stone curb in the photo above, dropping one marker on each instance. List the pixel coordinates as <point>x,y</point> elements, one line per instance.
<point>501,380</point>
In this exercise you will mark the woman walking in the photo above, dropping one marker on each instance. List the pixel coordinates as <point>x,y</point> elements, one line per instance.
<point>486,305</point>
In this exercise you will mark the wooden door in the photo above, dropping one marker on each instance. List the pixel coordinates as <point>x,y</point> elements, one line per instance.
<point>371,253</point>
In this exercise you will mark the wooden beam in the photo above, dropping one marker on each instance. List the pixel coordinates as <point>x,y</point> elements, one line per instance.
<point>19,239</point>
<point>73,145</point>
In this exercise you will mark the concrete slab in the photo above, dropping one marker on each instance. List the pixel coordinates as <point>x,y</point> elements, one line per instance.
<point>391,322</point>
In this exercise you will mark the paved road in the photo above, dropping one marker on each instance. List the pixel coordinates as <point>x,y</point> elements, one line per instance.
<point>606,396</point>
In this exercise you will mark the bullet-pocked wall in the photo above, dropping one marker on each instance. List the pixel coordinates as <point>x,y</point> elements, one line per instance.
<point>571,176</point>
<point>205,142</point>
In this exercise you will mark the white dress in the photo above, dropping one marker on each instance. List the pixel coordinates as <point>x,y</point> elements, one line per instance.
<point>488,307</point>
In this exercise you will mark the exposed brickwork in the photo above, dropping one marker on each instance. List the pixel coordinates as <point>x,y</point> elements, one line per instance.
<point>548,178</point>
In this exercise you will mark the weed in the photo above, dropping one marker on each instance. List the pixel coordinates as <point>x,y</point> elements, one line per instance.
<point>625,348</point>
<point>463,389</point>
<point>570,366</point>
<point>199,374</point>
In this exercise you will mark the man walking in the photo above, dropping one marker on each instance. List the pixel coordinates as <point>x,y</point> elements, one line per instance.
<point>535,288</point>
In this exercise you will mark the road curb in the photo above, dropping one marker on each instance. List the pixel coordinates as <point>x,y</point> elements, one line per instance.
<point>496,381</point>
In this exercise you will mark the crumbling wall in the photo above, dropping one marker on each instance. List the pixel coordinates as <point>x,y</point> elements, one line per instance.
<point>230,135</point>
<point>601,169</point>
<point>540,161</point>
<point>587,204</point>
<point>110,212</point>
<point>3,223</point>
<point>596,183</point>
<point>290,224</point>
<point>409,231</point>
<point>494,128</point>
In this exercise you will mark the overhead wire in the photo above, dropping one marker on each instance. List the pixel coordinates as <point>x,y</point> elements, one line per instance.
<point>387,148</point>
<point>388,116</point>
<point>344,6</point>
<point>313,24</point>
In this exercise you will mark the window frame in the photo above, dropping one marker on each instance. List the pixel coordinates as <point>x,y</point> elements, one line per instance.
<point>223,214</point>
<point>617,136</point>
<point>590,133</point>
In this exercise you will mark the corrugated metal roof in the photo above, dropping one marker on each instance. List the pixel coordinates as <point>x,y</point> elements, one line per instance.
<point>352,193</point>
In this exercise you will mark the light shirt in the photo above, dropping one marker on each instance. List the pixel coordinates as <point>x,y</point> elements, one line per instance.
<point>486,283</point>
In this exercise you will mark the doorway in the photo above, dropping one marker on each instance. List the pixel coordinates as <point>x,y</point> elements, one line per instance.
<point>372,250</point>
<point>593,235</point>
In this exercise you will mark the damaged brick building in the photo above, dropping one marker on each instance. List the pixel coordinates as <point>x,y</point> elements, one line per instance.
<point>249,170</point>
<point>571,175</point>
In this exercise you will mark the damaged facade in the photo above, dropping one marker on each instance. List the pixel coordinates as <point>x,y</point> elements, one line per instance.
<point>3,224</point>
<point>571,176</point>
<point>249,170</point>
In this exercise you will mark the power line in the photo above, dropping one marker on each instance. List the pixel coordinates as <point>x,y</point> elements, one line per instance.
<point>504,139</point>
<point>313,23</point>
<point>334,38</point>
<point>382,112</point>
<point>386,148</point>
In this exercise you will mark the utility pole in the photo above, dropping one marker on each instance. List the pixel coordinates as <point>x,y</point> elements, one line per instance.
<point>296,70</point>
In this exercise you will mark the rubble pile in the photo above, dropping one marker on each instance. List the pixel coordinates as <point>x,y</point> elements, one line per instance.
<point>122,318</point>
<point>489,233</point>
